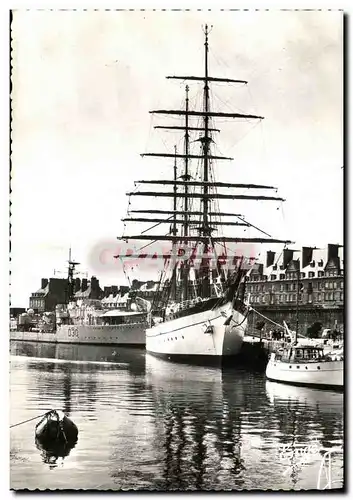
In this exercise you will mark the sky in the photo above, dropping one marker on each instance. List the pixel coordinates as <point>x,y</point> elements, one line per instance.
<point>83,84</point>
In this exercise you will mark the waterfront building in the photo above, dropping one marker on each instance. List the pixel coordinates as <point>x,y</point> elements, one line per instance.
<point>272,288</point>
<point>54,291</point>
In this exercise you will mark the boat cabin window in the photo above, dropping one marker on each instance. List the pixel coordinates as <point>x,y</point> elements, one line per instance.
<point>120,320</point>
<point>307,354</point>
<point>298,354</point>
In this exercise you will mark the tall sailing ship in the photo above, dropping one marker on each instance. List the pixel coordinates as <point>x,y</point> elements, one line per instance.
<point>199,310</point>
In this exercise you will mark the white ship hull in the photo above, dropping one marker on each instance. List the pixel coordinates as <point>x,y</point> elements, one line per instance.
<point>126,334</point>
<point>323,374</point>
<point>187,337</point>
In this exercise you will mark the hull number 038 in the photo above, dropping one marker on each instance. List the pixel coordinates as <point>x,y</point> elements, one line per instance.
<point>73,332</point>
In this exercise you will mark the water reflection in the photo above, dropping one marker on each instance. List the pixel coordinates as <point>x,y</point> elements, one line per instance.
<point>52,453</point>
<point>87,354</point>
<point>304,416</point>
<point>222,429</point>
<point>150,424</point>
<point>198,412</point>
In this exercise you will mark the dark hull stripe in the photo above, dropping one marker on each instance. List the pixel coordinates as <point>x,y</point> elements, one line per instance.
<point>240,360</point>
<point>142,346</point>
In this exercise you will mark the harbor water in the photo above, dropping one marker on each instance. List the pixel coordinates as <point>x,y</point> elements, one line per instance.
<point>148,424</point>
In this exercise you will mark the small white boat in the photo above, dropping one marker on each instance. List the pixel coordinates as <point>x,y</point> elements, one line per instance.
<point>307,365</point>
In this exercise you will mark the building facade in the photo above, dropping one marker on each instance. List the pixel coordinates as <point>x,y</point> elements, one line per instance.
<point>315,289</point>
<point>54,291</point>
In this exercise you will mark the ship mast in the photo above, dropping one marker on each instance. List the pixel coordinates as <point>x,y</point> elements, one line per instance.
<point>70,279</point>
<point>186,179</point>
<point>206,189</point>
<point>205,141</point>
<point>174,227</point>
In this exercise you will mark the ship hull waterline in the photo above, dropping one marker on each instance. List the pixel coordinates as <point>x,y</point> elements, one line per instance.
<point>127,335</point>
<point>324,375</point>
<point>206,338</point>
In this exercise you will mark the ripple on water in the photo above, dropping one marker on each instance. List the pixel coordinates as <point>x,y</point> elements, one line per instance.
<point>150,425</point>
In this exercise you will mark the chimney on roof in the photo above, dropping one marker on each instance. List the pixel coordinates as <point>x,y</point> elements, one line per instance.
<point>84,284</point>
<point>287,257</point>
<point>44,282</point>
<point>270,258</point>
<point>332,251</point>
<point>77,285</point>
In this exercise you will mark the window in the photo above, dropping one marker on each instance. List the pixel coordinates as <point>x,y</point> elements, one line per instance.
<point>320,263</point>
<point>341,296</point>
<point>263,299</point>
<point>274,267</point>
<point>341,285</point>
<point>273,277</point>
<point>282,276</point>
<point>335,284</point>
<point>319,297</point>
<point>311,274</point>
<point>312,263</point>
<point>327,285</point>
<point>302,275</point>
<point>281,287</point>
<point>280,298</point>
<point>287,298</point>
<point>320,274</point>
